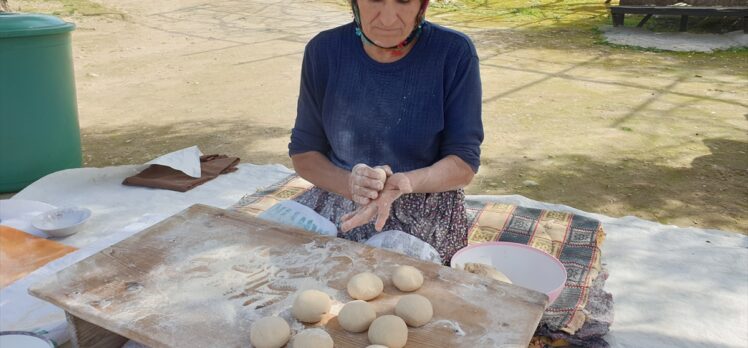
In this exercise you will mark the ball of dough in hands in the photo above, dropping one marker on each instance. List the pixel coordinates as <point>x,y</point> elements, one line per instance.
<point>365,286</point>
<point>312,338</point>
<point>310,305</point>
<point>356,316</point>
<point>389,331</point>
<point>269,332</point>
<point>407,278</point>
<point>415,310</point>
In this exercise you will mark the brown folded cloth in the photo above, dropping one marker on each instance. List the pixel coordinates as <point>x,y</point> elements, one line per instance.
<point>158,176</point>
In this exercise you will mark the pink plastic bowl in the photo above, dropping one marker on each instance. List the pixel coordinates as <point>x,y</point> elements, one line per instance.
<point>525,266</point>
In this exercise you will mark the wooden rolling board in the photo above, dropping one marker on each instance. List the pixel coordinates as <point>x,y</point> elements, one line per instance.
<point>201,277</point>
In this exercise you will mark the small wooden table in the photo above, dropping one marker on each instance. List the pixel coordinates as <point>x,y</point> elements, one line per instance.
<point>203,276</point>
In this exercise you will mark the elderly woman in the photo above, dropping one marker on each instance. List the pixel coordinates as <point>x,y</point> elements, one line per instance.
<point>388,126</point>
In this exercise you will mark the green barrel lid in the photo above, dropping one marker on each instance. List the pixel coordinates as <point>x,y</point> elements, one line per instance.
<point>28,24</point>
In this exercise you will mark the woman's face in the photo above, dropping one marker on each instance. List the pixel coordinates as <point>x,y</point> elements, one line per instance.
<point>388,22</point>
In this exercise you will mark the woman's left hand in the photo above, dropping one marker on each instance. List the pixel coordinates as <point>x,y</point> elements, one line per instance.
<point>395,186</point>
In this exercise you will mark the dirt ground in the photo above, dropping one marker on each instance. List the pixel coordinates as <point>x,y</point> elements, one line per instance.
<point>607,129</point>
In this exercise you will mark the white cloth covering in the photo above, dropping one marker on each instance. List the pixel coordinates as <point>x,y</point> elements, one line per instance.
<point>673,287</point>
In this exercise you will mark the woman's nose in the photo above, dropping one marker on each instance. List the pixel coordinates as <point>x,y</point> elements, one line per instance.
<point>388,16</point>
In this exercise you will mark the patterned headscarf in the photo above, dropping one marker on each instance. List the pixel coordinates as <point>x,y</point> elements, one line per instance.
<point>412,36</point>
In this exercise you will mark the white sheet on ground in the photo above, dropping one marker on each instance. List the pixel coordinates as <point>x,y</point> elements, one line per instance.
<point>114,205</point>
<point>673,287</point>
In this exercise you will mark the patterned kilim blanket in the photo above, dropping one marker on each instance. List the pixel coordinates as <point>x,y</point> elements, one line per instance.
<point>575,240</point>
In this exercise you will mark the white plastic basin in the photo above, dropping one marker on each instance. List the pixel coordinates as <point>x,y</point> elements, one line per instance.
<point>525,266</point>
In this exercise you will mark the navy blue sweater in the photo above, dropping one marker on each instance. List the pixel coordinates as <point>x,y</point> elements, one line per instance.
<point>407,114</point>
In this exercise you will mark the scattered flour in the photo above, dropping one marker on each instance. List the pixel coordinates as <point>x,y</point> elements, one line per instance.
<point>222,281</point>
<point>453,325</point>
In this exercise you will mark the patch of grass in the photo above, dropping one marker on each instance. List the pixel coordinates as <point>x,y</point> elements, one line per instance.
<point>574,22</point>
<point>527,11</point>
<point>546,23</point>
<point>527,14</point>
<point>626,129</point>
<point>740,50</point>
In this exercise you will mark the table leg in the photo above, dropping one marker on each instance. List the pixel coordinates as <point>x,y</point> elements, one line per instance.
<point>683,23</point>
<point>86,335</point>
<point>617,19</point>
<point>644,20</point>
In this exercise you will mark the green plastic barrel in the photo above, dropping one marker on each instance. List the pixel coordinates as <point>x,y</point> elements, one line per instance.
<point>39,131</point>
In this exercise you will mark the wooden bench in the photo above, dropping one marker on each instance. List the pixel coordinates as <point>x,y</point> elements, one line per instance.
<point>618,13</point>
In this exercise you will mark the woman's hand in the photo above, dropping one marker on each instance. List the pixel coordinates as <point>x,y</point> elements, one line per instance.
<point>394,187</point>
<point>365,183</point>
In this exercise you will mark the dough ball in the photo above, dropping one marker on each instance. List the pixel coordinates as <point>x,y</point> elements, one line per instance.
<point>312,338</point>
<point>389,331</point>
<point>415,310</point>
<point>486,271</point>
<point>365,286</point>
<point>310,305</point>
<point>269,332</point>
<point>407,278</point>
<point>356,316</point>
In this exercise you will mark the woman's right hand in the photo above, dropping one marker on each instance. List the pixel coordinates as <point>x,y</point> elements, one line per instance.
<point>379,209</point>
<point>365,183</point>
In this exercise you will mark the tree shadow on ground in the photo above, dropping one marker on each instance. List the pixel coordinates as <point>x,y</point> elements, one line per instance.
<point>711,193</point>
<point>105,146</point>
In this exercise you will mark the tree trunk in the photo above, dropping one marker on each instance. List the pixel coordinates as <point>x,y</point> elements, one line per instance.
<point>4,6</point>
